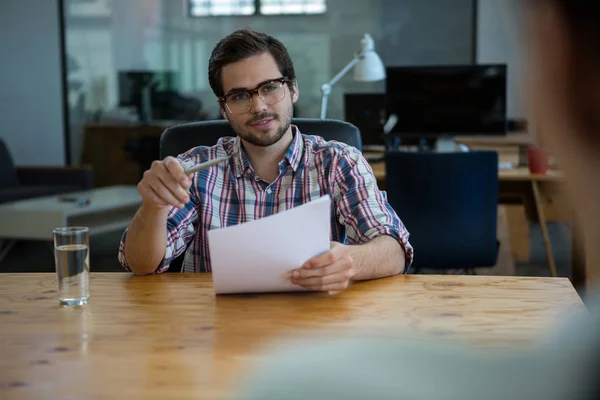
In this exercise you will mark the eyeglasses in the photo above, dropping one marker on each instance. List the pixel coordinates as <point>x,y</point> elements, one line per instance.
<point>240,101</point>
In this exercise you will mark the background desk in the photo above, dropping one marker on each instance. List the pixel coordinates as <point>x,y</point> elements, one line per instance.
<point>167,336</point>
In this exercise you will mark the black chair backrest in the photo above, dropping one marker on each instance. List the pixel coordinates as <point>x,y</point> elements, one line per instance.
<point>449,204</point>
<point>8,172</point>
<point>180,138</point>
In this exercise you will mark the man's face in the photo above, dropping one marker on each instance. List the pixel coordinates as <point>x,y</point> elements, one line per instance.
<point>263,124</point>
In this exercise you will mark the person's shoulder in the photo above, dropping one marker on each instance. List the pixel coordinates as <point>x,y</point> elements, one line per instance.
<point>197,154</point>
<point>331,149</point>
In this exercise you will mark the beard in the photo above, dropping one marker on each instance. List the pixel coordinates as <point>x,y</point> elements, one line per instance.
<point>281,123</point>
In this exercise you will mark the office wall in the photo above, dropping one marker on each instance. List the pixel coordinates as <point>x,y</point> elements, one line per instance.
<point>31,119</point>
<point>426,32</point>
<point>500,40</point>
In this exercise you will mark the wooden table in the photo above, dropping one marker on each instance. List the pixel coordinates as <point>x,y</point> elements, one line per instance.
<point>519,186</point>
<point>169,336</point>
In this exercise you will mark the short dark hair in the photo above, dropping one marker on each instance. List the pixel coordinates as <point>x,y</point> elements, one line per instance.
<point>242,44</point>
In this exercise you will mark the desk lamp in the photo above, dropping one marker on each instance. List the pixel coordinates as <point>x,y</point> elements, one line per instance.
<point>367,65</point>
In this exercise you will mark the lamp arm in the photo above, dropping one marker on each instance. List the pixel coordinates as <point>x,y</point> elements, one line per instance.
<point>326,88</point>
<point>345,70</point>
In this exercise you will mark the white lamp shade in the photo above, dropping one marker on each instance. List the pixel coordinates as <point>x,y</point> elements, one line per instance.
<point>369,68</point>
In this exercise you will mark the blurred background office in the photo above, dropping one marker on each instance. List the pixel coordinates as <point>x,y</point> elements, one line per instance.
<point>114,48</point>
<point>96,82</point>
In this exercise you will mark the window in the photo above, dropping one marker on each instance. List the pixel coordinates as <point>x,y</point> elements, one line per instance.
<point>205,8</point>
<point>278,7</point>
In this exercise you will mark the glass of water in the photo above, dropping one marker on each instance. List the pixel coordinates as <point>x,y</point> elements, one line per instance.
<point>72,258</point>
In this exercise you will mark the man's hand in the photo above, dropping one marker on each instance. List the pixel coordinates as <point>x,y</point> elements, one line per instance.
<point>164,184</point>
<point>330,271</point>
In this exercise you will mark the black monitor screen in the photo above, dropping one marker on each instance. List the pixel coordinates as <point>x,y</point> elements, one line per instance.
<point>452,100</point>
<point>366,111</point>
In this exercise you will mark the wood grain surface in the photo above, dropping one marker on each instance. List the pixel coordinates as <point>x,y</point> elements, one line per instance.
<point>169,336</point>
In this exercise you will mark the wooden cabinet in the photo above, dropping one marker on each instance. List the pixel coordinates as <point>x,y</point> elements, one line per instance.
<point>104,148</point>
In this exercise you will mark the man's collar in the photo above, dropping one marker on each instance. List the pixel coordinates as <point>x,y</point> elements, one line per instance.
<point>293,155</point>
<point>240,159</point>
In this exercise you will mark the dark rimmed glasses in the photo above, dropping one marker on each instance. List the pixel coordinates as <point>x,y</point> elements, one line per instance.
<point>240,101</point>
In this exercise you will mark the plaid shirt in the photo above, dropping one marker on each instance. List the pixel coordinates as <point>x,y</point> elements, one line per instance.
<point>231,193</point>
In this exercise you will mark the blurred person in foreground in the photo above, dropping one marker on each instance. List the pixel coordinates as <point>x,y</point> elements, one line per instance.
<point>563,90</point>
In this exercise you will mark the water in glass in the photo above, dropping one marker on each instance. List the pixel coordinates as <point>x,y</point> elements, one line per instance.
<point>72,269</point>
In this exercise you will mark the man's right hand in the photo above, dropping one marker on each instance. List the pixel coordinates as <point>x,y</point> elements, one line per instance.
<point>165,184</point>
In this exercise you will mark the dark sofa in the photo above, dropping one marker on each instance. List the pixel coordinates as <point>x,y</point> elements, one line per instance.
<point>19,183</point>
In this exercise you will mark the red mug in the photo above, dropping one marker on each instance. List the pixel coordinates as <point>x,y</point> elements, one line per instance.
<point>537,160</point>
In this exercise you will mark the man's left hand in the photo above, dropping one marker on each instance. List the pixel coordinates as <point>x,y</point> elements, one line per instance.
<point>330,271</point>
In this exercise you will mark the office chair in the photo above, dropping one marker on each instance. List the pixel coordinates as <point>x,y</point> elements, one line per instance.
<point>449,204</point>
<point>180,138</point>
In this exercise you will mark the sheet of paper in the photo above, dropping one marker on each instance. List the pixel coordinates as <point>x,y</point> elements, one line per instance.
<point>258,256</point>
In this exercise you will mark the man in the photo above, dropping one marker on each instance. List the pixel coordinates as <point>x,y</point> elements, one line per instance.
<point>564,89</point>
<point>273,167</point>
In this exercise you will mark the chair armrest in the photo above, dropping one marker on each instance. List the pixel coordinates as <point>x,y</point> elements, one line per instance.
<point>80,176</point>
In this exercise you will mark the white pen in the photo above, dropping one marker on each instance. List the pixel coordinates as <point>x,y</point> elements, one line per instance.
<point>206,164</point>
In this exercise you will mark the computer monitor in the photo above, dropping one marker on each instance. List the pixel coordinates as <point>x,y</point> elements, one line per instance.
<point>452,100</point>
<point>366,111</point>
<point>140,88</point>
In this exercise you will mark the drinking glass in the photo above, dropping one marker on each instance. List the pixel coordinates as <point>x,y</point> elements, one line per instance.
<point>72,259</point>
<point>537,159</point>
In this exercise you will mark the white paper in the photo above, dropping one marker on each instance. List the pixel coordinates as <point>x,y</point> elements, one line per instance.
<point>258,256</point>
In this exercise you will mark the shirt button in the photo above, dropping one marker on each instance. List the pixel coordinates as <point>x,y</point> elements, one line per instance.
<point>269,191</point>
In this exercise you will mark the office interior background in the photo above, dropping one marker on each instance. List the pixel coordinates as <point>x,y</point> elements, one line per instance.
<point>67,64</point>
<point>101,39</point>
